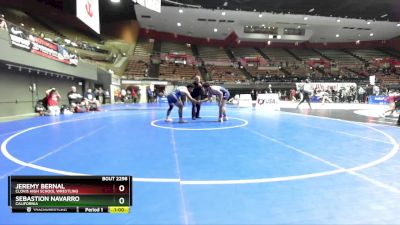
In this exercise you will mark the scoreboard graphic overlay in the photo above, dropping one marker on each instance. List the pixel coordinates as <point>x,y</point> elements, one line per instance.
<point>70,194</point>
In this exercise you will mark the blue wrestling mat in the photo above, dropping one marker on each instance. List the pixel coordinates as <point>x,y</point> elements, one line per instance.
<point>259,167</point>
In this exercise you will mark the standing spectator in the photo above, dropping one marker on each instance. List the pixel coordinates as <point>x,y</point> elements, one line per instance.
<point>123,94</point>
<point>107,96</point>
<point>134,95</point>
<point>101,96</point>
<point>3,24</point>
<point>52,102</point>
<point>269,88</point>
<point>292,94</point>
<point>146,71</point>
<point>375,90</point>
<point>361,94</point>
<point>116,95</point>
<point>253,95</point>
<point>149,95</point>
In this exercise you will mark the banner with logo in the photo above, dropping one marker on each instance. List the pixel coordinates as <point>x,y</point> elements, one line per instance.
<point>88,12</point>
<point>268,101</point>
<point>25,40</point>
<point>377,100</point>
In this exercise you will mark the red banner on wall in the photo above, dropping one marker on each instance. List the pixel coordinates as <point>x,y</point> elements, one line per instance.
<point>29,42</point>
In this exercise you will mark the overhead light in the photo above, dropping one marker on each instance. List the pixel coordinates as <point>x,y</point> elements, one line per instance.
<point>371,34</point>
<point>311,10</point>
<point>263,25</point>
<point>270,36</point>
<point>338,20</point>
<point>298,27</point>
<point>337,35</point>
<point>215,30</point>
<point>305,18</point>
<point>369,22</point>
<point>223,13</point>
<point>115,1</point>
<point>180,10</point>
<point>384,15</point>
<point>279,37</point>
<point>178,24</point>
<point>269,42</point>
<point>260,15</point>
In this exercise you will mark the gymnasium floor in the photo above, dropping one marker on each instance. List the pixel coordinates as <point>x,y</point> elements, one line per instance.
<point>260,167</point>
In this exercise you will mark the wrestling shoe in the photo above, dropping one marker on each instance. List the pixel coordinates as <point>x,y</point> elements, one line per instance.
<point>225,118</point>
<point>168,119</point>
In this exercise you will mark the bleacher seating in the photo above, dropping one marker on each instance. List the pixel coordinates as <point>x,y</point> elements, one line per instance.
<point>305,54</point>
<point>143,51</point>
<point>225,74</point>
<point>279,55</point>
<point>369,54</point>
<point>20,18</point>
<point>169,47</point>
<point>174,72</point>
<point>214,55</point>
<point>340,57</point>
<point>139,60</point>
<point>245,52</point>
<point>388,79</point>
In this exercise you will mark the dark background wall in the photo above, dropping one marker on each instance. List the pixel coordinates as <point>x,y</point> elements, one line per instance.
<point>16,97</point>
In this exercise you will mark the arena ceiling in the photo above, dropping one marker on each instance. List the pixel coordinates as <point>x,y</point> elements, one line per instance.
<point>219,24</point>
<point>364,9</point>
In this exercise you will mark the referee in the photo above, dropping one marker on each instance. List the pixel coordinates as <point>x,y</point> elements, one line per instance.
<point>307,92</point>
<point>197,93</point>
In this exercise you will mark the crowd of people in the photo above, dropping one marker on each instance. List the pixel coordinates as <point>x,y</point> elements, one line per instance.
<point>77,103</point>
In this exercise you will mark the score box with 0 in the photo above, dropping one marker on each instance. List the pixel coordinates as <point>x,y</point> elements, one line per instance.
<point>71,191</point>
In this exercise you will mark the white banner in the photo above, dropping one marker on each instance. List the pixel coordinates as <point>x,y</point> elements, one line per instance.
<point>154,5</point>
<point>245,100</point>
<point>88,12</point>
<point>372,80</point>
<point>326,86</point>
<point>267,101</point>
